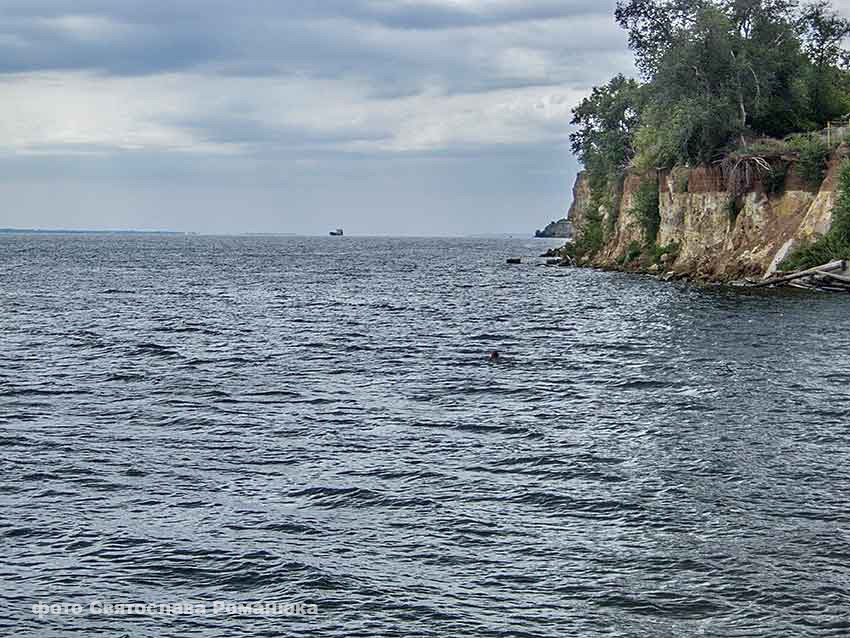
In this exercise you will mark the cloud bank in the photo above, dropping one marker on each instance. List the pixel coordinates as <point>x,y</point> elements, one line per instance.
<point>399,113</point>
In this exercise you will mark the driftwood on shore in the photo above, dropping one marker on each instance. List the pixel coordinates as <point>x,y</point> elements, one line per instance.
<point>831,277</point>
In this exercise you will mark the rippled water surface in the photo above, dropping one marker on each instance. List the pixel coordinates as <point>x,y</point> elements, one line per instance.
<point>290,419</point>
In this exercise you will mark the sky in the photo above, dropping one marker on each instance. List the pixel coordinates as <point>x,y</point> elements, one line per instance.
<point>384,117</point>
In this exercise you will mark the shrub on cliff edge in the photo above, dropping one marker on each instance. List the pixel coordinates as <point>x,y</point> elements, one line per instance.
<point>813,157</point>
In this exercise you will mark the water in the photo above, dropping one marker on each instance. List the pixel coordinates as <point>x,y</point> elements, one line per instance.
<point>287,419</point>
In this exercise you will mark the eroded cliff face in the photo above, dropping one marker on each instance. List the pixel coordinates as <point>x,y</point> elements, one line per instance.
<point>718,236</point>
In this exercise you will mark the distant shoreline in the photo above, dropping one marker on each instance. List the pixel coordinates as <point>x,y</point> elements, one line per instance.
<point>175,233</point>
<point>62,231</point>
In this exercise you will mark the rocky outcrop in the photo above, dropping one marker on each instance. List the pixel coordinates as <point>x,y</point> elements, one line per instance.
<point>559,229</point>
<point>717,235</point>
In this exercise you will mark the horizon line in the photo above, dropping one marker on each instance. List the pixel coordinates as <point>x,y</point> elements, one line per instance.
<point>114,231</point>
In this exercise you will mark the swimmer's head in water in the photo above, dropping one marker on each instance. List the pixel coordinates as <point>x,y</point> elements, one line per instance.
<point>494,356</point>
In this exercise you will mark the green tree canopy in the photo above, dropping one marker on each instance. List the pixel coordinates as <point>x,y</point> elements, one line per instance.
<point>715,71</point>
<point>607,122</point>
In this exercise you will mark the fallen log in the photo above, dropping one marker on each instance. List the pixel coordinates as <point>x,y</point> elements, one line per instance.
<point>834,277</point>
<point>831,286</point>
<point>824,284</point>
<point>801,285</point>
<point>819,282</point>
<point>821,285</point>
<point>833,265</point>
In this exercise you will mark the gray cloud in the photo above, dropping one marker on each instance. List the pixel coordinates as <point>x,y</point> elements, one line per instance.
<point>346,101</point>
<point>373,38</point>
<point>235,129</point>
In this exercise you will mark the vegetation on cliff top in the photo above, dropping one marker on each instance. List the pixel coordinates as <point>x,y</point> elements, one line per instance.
<point>714,72</point>
<point>720,81</point>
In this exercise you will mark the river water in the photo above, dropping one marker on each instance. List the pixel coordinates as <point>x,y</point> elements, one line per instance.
<point>202,419</point>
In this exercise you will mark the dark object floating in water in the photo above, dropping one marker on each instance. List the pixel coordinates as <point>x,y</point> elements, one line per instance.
<point>514,260</point>
<point>337,233</point>
<point>495,357</point>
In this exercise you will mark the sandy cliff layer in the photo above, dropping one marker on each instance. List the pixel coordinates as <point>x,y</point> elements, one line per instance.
<point>719,237</point>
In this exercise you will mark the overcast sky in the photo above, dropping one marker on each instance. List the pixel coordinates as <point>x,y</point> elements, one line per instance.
<point>403,117</point>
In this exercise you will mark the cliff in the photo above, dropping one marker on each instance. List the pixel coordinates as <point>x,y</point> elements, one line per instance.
<point>705,231</point>
<point>560,228</point>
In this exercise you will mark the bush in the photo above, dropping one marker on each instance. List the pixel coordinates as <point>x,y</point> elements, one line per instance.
<point>658,252</point>
<point>813,153</point>
<point>774,181</point>
<point>820,252</point>
<point>591,237</point>
<point>634,252</point>
<point>645,209</point>
<point>766,147</point>
<point>836,243</point>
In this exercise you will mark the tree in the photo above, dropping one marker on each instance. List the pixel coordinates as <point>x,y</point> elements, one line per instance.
<point>607,122</point>
<point>749,16</point>
<point>652,26</point>
<point>823,32</point>
<point>716,73</point>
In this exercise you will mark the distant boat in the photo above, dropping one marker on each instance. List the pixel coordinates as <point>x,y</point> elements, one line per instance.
<point>337,233</point>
